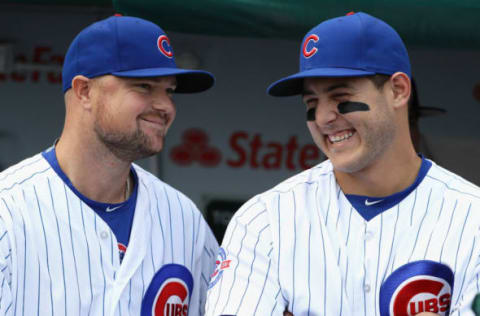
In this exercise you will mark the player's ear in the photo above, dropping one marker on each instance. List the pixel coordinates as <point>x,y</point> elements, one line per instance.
<point>81,88</point>
<point>400,88</point>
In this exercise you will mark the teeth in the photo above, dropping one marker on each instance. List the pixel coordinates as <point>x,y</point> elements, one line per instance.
<point>336,139</point>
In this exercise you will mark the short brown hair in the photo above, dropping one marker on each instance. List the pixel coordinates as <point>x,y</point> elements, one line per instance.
<point>379,80</point>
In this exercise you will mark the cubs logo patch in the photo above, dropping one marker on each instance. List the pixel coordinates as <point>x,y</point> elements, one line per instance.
<point>420,286</point>
<point>221,264</point>
<point>163,44</point>
<point>169,292</point>
<point>306,48</point>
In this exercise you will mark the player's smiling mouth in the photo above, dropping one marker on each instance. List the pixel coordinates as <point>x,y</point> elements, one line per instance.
<point>158,121</point>
<point>340,136</point>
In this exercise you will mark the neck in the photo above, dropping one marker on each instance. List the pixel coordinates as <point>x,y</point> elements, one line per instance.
<point>385,177</point>
<point>93,170</point>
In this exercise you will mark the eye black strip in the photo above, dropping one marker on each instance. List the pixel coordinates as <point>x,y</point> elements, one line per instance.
<point>311,114</point>
<point>349,106</point>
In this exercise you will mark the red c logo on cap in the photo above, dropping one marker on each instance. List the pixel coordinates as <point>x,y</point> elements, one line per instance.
<point>310,53</point>
<point>160,43</point>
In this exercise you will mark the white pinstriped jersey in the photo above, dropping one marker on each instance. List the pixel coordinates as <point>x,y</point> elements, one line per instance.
<point>58,257</point>
<point>302,246</point>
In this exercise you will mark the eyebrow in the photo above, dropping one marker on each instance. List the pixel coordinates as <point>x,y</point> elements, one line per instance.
<point>337,86</point>
<point>306,92</point>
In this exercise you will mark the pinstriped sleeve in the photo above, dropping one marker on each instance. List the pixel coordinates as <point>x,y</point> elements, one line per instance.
<point>210,249</point>
<point>245,281</point>
<point>463,306</point>
<point>6,298</point>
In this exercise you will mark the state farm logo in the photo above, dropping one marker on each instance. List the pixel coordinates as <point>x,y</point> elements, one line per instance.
<point>195,148</point>
<point>245,150</point>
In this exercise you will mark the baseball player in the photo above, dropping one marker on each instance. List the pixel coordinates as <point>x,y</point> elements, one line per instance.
<point>374,230</point>
<point>83,231</point>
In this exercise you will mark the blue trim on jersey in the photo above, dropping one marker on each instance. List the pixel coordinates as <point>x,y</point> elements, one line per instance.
<point>121,219</point>
<point>369,207</point>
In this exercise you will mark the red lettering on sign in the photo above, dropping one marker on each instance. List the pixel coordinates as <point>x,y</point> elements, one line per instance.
<point>273,159</point>
<point>292,146</point>
<point>42,55</point>
<point>272,154</point>
<point>242,155</point>
<point>38,53</point>
<point>255,145</point>
<point>309,156</point>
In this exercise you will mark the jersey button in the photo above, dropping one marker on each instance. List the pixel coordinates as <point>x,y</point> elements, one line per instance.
<point>368,235</point>
<point>366,288</point>
<point>104,235</point>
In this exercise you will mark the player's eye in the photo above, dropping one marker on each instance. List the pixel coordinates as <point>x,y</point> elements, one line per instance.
<point>310,102</point>
<point>170,91</point>
<point>144,86</point>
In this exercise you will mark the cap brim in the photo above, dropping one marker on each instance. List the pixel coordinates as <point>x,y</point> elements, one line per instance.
<point>188,81</point>
<point>293,85</point>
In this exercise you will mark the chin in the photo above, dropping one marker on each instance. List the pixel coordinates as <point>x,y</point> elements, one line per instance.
<point>349,164</point>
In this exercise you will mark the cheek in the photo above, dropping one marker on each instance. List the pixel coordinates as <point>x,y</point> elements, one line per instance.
<point>314,131</point>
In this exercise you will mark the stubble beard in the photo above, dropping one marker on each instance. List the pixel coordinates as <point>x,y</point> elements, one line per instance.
<point>127,147</point>
<point>377,139</point>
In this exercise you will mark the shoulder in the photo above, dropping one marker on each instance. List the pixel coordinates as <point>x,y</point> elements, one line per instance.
<point>23,171</point>
<point>24,174</point>
<point>160,190</point>
<point>262,205</point>
<point>453,184</point>
<point>318,176</point>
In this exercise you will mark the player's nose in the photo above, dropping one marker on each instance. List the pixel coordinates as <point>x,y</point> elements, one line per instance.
<point>164,102</point>
<point>326,113</point>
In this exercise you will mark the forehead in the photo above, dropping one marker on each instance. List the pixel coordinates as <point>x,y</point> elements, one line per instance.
<point>325,85</point>
<point>171,80</point>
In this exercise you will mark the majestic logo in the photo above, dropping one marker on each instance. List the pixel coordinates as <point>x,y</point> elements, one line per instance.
<point>307,53</point>
<point>370,203</point>
<point>420,286</point>
<point>221,264</point>
<point>163,44</point>
<point>169,292</point>
<point>195,148</point>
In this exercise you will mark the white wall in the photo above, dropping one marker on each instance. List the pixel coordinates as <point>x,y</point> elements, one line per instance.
<point>33,111</point>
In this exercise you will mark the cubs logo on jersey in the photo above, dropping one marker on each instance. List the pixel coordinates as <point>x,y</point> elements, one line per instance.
<point>221,264</point>
<point>169,292</point>
<point>420,286</point>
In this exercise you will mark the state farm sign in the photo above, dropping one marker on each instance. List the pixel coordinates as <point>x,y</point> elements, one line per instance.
<point>245,150</point>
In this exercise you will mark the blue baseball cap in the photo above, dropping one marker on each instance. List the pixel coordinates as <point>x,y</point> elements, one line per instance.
<point>128,47</point>
<point>354,45</point>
